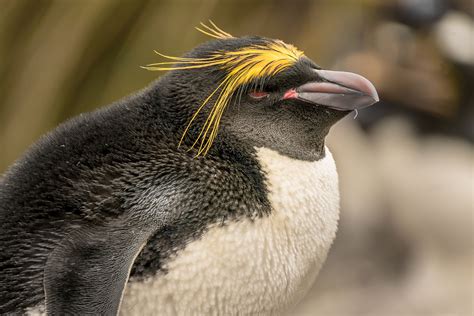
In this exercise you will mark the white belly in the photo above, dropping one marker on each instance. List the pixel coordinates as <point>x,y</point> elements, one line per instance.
<point>252,267</point>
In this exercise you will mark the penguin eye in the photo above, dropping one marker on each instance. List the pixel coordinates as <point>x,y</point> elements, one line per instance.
<point>258,95</point>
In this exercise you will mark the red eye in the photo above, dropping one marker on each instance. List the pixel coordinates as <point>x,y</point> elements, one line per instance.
<point>258,95</point>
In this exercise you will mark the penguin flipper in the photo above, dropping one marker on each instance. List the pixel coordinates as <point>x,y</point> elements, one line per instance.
<point>87,273</point>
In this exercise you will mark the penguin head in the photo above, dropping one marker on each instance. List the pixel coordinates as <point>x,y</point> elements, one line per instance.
<point>262,91</point>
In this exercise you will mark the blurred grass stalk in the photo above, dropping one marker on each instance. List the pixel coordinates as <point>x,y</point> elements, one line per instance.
<point>60,58</point>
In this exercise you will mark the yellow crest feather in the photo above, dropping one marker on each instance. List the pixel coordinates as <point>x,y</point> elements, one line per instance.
<point>213,31</point>
<point>243,66</point>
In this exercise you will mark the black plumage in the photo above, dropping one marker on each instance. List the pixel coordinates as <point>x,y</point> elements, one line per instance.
<point>115,182</point>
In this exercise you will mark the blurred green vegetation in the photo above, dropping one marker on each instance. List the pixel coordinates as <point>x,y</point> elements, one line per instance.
<point>61,58</point>
<point>405,238</point>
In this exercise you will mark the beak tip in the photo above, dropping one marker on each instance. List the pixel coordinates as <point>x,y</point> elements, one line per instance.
<point>376,98</point>
<point>372,92</point>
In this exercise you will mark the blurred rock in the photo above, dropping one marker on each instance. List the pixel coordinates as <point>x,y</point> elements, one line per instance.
<point>455,36</point>
<point>405,249</point>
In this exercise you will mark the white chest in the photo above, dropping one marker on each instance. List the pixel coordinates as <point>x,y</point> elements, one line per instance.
<point>252,267</point>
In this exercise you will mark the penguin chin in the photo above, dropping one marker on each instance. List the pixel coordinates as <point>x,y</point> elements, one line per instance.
<point>309,137</point>
<point>292,128</point>
<point>305,147</point>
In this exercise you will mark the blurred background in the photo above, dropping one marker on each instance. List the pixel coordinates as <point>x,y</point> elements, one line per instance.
<point>405,245</point>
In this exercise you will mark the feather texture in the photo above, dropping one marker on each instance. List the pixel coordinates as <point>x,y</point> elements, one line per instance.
<point>243,67</point>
